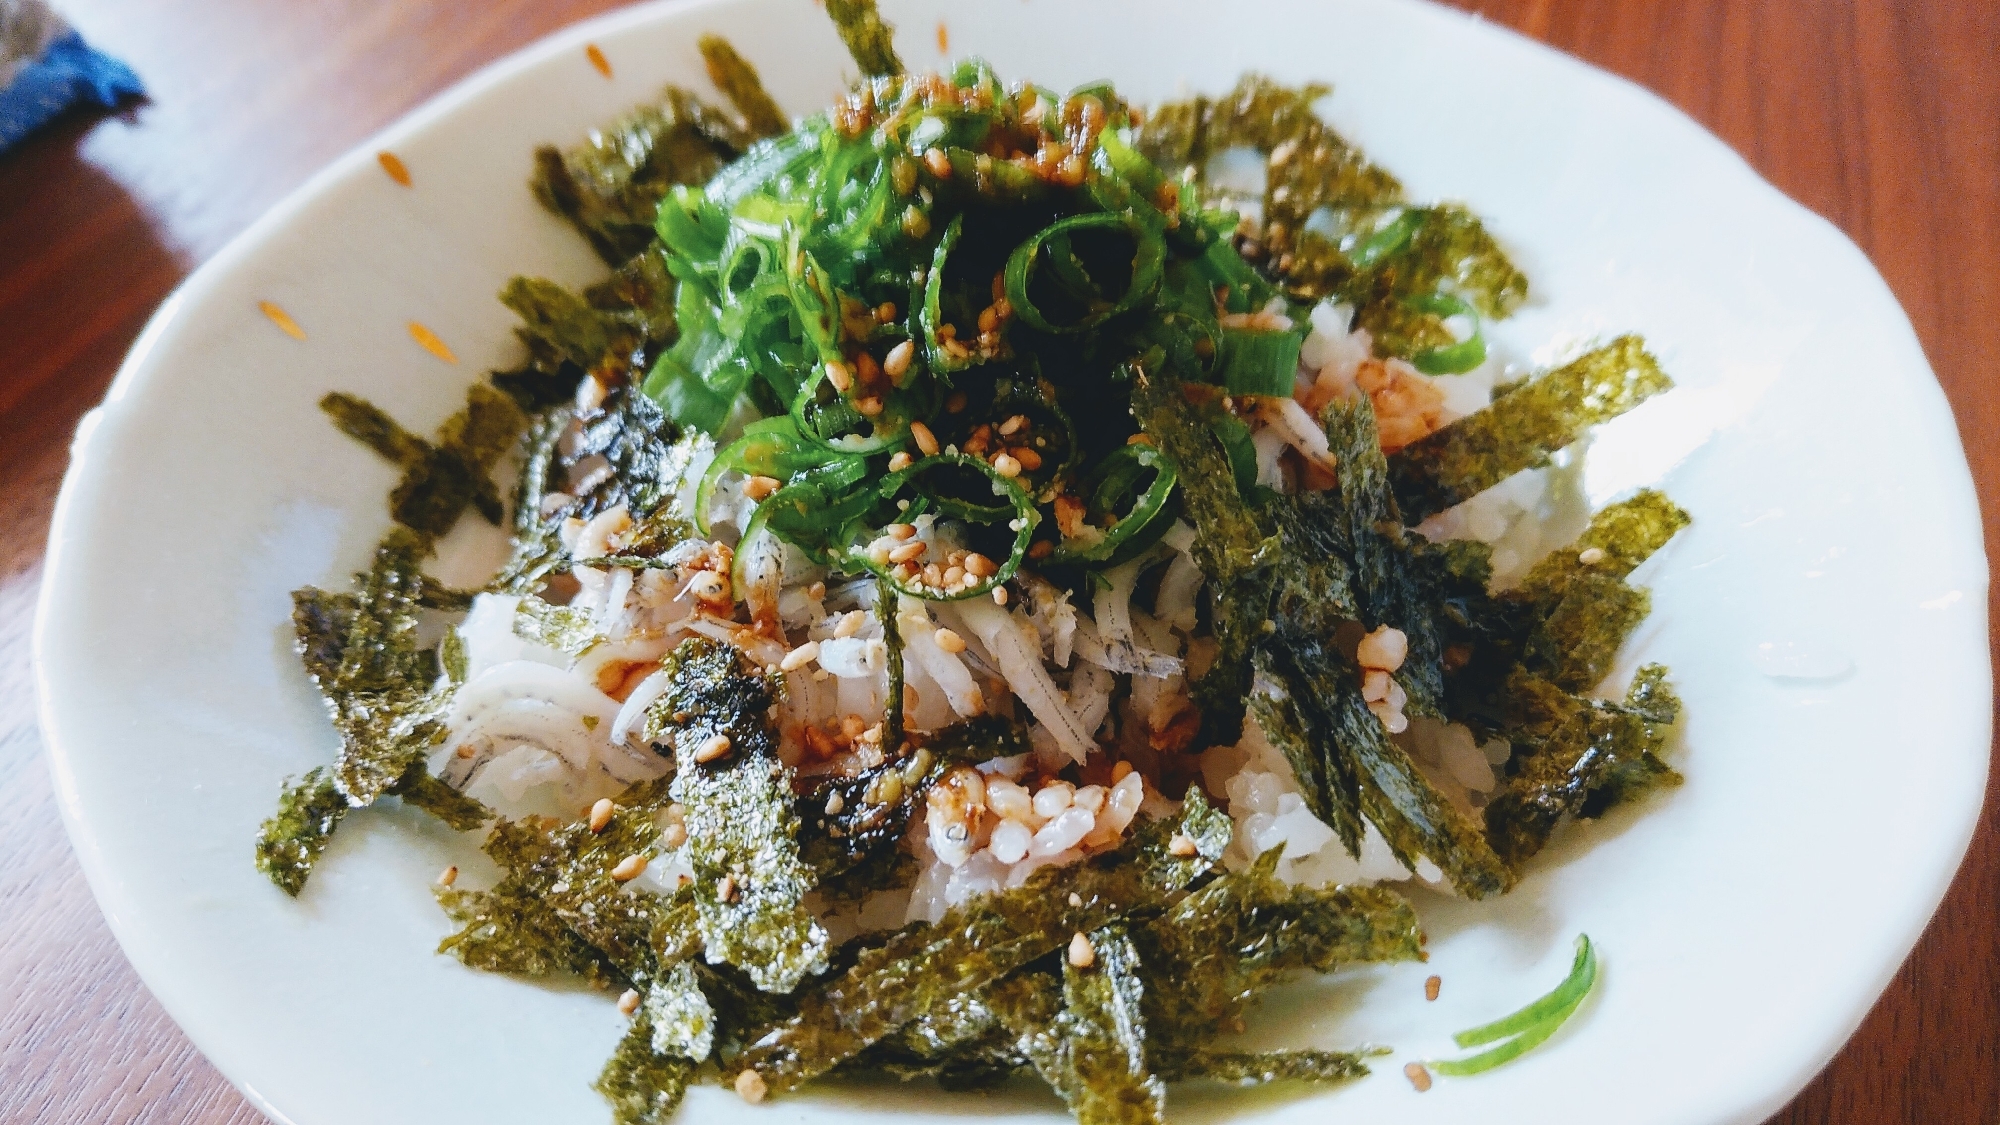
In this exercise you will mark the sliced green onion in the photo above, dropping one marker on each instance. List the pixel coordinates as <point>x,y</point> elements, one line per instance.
<point>1259,361</point>
<point>1530,1026</point>
<point>930,317</point>
<point>1115,490</point>
<point>1053,248</point>
<point>1015,514</point>
<point>1451,359</point>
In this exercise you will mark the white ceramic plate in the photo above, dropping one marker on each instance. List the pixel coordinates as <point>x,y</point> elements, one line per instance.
<point>1747,920</point>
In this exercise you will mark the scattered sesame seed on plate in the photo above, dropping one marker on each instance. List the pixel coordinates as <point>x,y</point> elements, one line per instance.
<point>597,59</point>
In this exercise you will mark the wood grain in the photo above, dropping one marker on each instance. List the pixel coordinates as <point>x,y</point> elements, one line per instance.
<point>1882,116</point>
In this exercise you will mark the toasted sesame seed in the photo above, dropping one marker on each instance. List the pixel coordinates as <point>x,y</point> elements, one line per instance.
<point>850,623</point>
<point>1590,556</point>
<point>1418,1076</point>
<point>835,803</point>
<point>898,461</point>
<point>800,657</point>
<point>885,312</point>
<point>448,876</point>
<point>838,375</point>
<point>949,641</point>
<point>1041,550</point>
<point>1119,770</point>
<point>999,595</point>
<point>1013,424</point>
<point>725,888</point>
<point>816,591</point>
<point>1029,459</point>
<point>756,488</point>
<point>715,746</point>
<point>750,1086</point>
<point>629,868</point>
<point>900,531</point>
<point>466,750</point>
<point>1080,953</point>
<point>870,406</point>
<point>628,1001</point>
<point>897,362</point>
<point>1181,845</point>
<point>600,814</point>
<point>938,163</point>
<point>1006,465</point>
<point>926,441</point>
<point>1431,987</point>
<point>909,551</point>
<point>674,834</point>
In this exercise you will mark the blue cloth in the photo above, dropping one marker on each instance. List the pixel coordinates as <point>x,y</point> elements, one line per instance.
<point>67,72</point>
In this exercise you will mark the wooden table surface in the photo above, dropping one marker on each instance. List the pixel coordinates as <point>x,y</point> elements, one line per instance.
<point>1882,115</point>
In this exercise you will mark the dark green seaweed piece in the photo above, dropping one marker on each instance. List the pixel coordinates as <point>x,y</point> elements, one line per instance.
<point>738,81</point>
<point>868,39</point>
<point>1232,546</point>
<point>1523,427</point>
<point>568,867</point>
<point>290,842</point>
<point>1087,1036</point>
<point>1312,165</point>
<point>649,458</point>
<point>1577,756</point>
<point>920,967</point>
<point>439,478</point>
<point>857,849</point>
<point>432,795</point>
<point>683,1021</point>
<point>1330,722</point>
<point>1210,955</point>
<point>513,929</point>
<point>1255,1068</point>
<point>569,631</point>
<point>610,186</point>
<point>1625,534</point>
<point>361,650</point>
<point>742,829</point>
<point>643,1085</point>
<point>886,601</point>
<point>583,335</point>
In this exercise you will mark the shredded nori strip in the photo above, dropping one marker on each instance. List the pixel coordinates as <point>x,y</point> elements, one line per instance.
<point>609,186</point>
<point>572,632</point>
<point>1087,1037</point>
<point>921,967</point>
<point>290,842</point>
<point>643,1085</point>
<point>1256,1068</point>
<point>750,881</point>
<point>738,81</point>
<point>361,650</point>
<point>439,478</point>
<point>1523,427</point>
<point>868,39</point>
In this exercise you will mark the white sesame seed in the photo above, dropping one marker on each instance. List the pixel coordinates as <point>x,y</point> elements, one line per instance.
<point>1181,845</point>
<point>715,746</point>
<point>1590,556</point>
<point>901,531</point>
<point>1080,952</point>
<point>949,641</point>
<point>629,868</point>
<point>448,876</point>
<point>898,461</point>
<point>926,441</point>
<point>674,834</point>
<point>628,1001</point>
<point>600,814</point>
<point>1006,466</point>
<point>838,375</point>
<point>850,623</point>
<point>800,657</point>
<point>750,1086</point>
<point>897,362</point>
<point>908,552</point>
